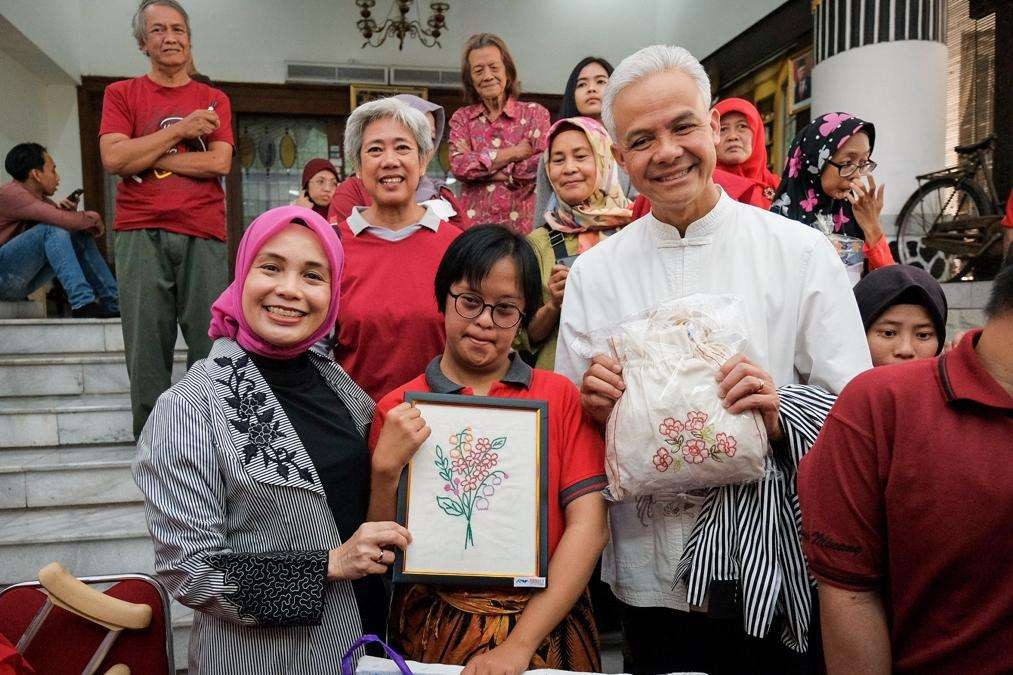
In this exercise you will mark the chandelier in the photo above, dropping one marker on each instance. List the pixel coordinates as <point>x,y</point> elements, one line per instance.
<point>398,24</point>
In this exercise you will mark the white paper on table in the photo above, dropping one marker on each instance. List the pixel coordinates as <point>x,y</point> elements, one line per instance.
<point>504,534</point>
<point>372,665</point>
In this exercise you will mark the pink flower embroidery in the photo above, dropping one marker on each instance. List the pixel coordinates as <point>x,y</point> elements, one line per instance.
<point>671,427</point>
<point>810,203</point>
<point>695,452</point>
<point>840,219</point>
<point>832,121</point>
<point>726,444</point>
<point>662,460</point>
<point>483,445</point>
<point>794,163</point>
<point>696,420</point>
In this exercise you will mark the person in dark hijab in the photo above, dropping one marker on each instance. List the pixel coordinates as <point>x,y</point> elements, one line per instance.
<point>903,310</point>
<point>319,181</point>
<point>822,187</point>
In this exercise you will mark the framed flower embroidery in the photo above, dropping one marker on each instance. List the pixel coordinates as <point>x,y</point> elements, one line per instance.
<point>475,494</point>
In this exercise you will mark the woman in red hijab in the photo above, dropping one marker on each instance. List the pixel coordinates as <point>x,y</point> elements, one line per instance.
<point>742,151</point>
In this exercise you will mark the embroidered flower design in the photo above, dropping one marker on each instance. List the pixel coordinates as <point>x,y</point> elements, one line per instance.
<point>725,443</point>
<point>471,476</point>
<point>257,421</point>
<point>696,420</point>
<point>662,459</point>
<point>693,441</point>
<point>671,427</point>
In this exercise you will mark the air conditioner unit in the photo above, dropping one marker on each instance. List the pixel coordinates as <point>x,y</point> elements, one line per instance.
<point>425,77</point>
<point>335,73</point>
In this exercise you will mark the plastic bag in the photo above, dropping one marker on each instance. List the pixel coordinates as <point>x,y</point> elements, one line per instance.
<point>669,432</point>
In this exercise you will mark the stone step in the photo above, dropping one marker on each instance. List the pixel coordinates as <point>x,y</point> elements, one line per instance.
<point>67,476</point>
<point>91,540</point>
<point>64,336</point>
<point>22,309</point>
<point>47,421</point>
<point>66,375</point>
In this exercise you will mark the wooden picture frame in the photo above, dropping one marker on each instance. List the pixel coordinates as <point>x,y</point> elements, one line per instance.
<point>800,68</point>
<point>364,93</point>
<point>475,495</point>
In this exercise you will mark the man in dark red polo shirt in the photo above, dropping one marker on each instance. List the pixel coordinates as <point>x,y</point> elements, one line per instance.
<point>907,507</point>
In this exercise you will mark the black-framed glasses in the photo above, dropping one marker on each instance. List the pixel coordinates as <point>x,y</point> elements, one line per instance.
<point>848,169</point>
<point>471,306</point>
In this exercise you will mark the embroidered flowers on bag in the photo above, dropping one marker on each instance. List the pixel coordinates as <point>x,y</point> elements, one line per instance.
<point>694,439</point>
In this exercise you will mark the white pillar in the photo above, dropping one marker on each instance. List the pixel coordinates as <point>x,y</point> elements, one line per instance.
<point>884,61</point>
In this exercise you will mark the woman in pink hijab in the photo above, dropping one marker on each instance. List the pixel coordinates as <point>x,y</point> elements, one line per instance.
<point>255,469</point>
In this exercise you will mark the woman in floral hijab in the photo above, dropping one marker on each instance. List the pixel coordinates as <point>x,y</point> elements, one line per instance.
<point>822,187</point>
<point>589,205</point>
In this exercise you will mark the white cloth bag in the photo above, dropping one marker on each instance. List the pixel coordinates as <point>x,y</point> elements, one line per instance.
<point>669,432</point>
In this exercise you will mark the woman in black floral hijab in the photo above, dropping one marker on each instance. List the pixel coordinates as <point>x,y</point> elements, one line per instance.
<point>822,187</point>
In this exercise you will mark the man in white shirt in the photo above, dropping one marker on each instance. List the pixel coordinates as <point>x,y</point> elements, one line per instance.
<point>803,321</point>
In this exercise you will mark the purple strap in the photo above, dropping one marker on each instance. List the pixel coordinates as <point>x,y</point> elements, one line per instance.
<point>346,661</point>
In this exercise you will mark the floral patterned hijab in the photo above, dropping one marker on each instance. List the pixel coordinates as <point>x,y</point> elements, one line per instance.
<point>800,195</point>
<point>607,208</point>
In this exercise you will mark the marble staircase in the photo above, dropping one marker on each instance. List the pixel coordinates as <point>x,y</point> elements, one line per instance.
<point>66,491</point>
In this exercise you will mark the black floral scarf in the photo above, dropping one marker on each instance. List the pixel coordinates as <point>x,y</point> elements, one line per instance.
<point>800,195</point>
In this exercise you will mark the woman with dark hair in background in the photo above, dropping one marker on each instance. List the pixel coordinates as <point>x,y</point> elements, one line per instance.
<point>495,141</point>
<point>582,98</point>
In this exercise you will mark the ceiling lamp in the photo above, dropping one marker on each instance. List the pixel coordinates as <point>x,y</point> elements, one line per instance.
<point>398,24</point>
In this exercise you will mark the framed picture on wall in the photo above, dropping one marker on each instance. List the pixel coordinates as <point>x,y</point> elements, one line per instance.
<point>800,81</point>
<point>364,93</point>
<point>475,495</point>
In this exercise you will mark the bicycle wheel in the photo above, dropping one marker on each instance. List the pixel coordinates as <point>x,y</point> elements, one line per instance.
<point>934,204</point>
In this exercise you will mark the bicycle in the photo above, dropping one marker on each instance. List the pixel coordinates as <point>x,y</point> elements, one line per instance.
<point>951,226</point>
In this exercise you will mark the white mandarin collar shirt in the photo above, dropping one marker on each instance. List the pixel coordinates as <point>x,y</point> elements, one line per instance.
<point>804,328</point>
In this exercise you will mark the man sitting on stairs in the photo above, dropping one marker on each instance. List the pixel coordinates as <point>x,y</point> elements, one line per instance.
<point>40,239</point>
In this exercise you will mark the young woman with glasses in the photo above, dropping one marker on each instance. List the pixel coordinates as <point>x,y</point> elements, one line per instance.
<point>488,287</point>
<point>827,183</point>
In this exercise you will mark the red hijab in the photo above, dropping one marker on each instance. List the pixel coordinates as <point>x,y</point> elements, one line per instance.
<point>753,169</point>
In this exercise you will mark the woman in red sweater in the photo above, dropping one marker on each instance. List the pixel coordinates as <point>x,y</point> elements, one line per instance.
<point>352,192</point>
<point>389,326</point>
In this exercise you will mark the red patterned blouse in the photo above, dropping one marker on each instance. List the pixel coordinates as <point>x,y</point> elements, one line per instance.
<point>474,142</point>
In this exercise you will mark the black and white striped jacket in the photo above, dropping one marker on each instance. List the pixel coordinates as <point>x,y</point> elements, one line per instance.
<point>752,532</point>
<point>240,521</point>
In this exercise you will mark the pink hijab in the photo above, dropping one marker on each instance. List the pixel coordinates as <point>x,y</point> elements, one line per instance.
<point>227,319</point>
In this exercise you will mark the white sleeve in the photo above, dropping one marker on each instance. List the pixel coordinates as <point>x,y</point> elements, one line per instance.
<point>830,345</point>
<point>572,320</point>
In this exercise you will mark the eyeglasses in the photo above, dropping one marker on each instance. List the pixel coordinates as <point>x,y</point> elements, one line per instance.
<point>848,169</point>
<point>471,306</point>
<point>323,182</point>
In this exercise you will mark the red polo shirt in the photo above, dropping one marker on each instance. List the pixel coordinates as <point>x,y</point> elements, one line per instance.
<point>576,449</point>
<point>909,491</point>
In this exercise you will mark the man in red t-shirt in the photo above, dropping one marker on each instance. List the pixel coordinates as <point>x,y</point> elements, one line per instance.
<point>170,139</point>
<point>907,508</point>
